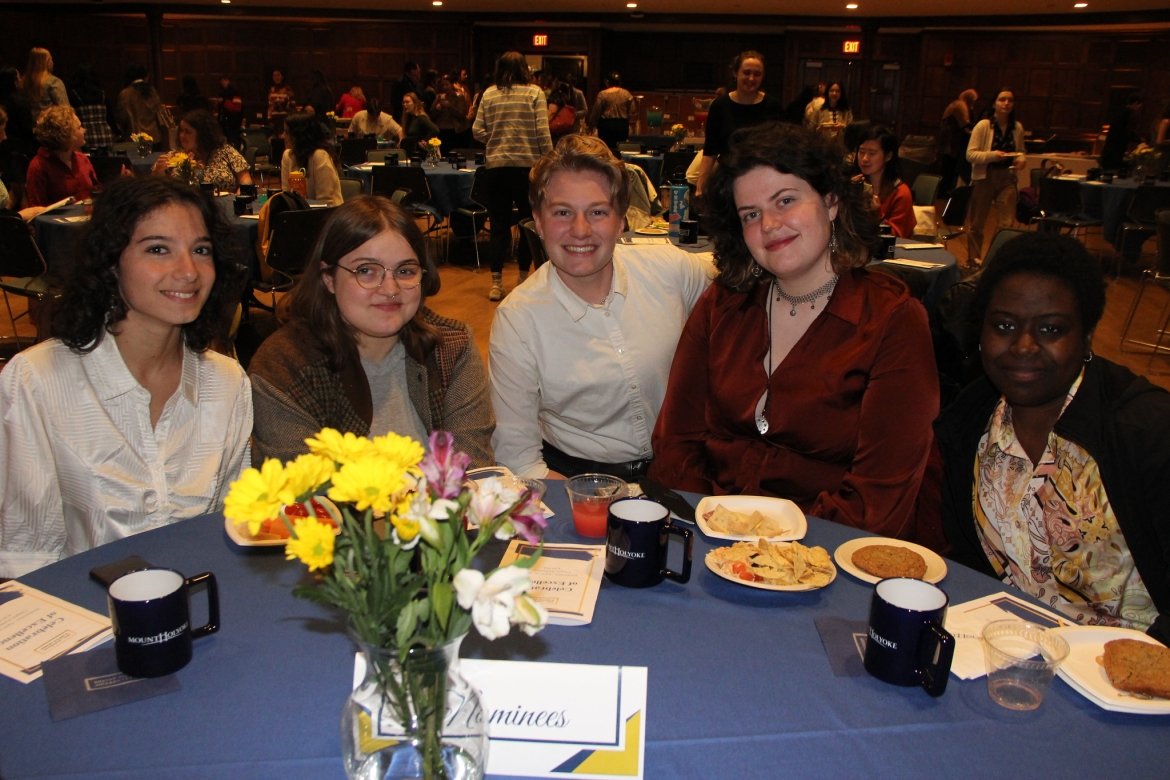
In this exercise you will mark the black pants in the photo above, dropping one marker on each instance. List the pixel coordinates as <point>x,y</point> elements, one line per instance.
<point>504,188</point>
<point>571,466</point>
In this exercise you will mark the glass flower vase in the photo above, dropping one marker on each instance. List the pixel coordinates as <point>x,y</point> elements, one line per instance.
<point>144,149</point>
<point>418,718</point>
<point>433,158</point>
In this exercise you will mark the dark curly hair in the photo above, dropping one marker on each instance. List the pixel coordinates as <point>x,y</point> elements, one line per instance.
<point>347,227</point>
<point>1046,254</point>
<point>801,152</point>
<point>308,134</point>
<point>208,134</point>
<point>91,302</point>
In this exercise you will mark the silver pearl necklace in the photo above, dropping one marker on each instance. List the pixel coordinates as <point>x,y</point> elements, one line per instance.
<point>799,300</point>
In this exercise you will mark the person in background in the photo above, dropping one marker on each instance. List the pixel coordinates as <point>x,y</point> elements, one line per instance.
<point>1123,133</point>
<point>815,102</point>
<point>1056,460</point>
<point>139,106</point>
<point>417,126</point>
<point>512,122</point>
<point>216,162</point>
<point>320,95</point>
<point>372,120</point>
<point>231,111</point>
<point>7,202</point>
<point>311,150</point>
<point>562,115</point>
<point>996,152</point>
<point>612,111</point>
<point>744,106</point>
<point>125,421</point>
<point>351,102</point>
<point>59,170</point>
<point>190,98</point>
<point>21,141</point>
<point>877,158</point>
<point>580,104</point>
<point>41,88</point>
<point>579,353</point>
<point>411,76</point>
<point>281,99</point>
<point>834,115</point>
<point>89,101</point>
<point>449,112</point>
<point>953,135</point>
<point>800,374</point>
<point>361,351</point>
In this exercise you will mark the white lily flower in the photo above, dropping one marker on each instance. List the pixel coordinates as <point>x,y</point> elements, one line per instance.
<point>529,614</point>
<point>490,497</point>
<point>492,600</point>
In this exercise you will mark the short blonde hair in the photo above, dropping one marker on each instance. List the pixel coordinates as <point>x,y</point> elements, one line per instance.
<point>54,128</point>
<point>577,153</point>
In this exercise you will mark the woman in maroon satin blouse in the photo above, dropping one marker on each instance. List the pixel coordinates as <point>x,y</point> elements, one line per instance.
<point>799,374</point>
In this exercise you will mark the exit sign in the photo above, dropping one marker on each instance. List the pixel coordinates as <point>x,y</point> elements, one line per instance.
<point>540,39</point>
<point>851,47</point>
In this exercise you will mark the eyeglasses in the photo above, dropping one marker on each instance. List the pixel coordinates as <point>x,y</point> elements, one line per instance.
<point>371,275</point>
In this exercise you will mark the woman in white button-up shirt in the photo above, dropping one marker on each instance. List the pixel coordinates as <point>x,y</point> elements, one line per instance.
<point>126,421</point>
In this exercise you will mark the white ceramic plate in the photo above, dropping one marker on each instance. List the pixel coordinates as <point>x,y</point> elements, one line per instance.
<point>651,231</point>
<point>795,524</point>
<point>1087,677</point>
<point>936,567</point>
<point>762,585</point>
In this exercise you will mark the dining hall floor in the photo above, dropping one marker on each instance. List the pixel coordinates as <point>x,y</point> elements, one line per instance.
<point>463,297</point>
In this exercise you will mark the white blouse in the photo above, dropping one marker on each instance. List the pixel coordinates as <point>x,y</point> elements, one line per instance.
<point>81,464</point>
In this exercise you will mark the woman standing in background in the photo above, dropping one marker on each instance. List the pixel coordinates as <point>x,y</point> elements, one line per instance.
<point>41,87</point>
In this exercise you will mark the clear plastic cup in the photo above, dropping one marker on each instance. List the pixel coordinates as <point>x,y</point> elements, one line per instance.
<point>1021,659</point>
<point>590,496</point>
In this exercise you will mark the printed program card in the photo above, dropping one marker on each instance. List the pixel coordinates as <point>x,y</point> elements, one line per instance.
<point>565,579</point>
<point>36,627</point>
<point>966,621</point>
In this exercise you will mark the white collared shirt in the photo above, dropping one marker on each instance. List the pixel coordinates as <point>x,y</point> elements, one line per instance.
<point>590,379</point>
<point>82,465</point>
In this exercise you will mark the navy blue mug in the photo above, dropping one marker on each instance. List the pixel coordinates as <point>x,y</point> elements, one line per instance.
<point>638,532</point>
<point>151,614</point>
<point>906,643</point>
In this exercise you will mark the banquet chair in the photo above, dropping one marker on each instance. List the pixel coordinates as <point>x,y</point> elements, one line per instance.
<point>350,188</point>
<point>1141,218</point>
<point>1159,276</point>
<point>925,189</point>
<point>475,214</point>
<point>354,150</point>
<point>293,234</point>
<point>22,268</point>
<point>109,167</point>
<point>674,166</point>
<point>388,178</point>
<point>535,243</point>
<point>1061,208</point>
<point>1001,237</point>
<point>953,220</point>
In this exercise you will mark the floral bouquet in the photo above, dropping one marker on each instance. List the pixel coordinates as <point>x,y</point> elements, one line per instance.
<point>1143,160</point>
<point>144,142</point>
<point>183,167</point>
<point>433,155</point>
<point>400,563</point>
<point>678,132</point>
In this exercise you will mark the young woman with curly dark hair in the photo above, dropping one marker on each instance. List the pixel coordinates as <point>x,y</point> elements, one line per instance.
<point>125,421</point>
<point>799,374</point>
<point>310,149</point>
<point>214,161</point>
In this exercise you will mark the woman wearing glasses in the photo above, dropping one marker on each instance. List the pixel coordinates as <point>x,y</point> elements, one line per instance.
<point>361,352</point>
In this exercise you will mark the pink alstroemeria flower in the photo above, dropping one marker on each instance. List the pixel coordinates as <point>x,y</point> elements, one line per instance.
<point>529,519</point>
<point>444,466</point>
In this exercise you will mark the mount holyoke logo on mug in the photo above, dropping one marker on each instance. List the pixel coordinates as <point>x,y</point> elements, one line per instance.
<point>637,538</point>
<point>151,614</point>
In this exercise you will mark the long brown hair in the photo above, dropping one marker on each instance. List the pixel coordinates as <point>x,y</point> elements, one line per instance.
<point>35,73</point>
<point>347,227</point>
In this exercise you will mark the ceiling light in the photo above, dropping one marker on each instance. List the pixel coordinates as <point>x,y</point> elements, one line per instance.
<point>436,3</point>
<point>631,5</point>
<point>226,2</point>
<point>1080,5</point>
<point>851,6</point>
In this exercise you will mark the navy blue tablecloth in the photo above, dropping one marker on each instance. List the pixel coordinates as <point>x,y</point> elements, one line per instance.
<point>739,684</point>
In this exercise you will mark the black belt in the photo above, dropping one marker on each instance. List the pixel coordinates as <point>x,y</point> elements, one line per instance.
<point>571,466</point>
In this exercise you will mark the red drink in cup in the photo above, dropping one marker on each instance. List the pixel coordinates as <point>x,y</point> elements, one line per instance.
<point>590,496</point>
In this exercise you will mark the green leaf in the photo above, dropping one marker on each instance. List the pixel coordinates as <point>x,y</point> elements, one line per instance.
<point>407,622</point>
<point>442,600</point>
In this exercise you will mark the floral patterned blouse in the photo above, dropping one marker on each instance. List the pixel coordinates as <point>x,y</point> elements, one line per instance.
<point>1050,531</point>
<point>222,168</point>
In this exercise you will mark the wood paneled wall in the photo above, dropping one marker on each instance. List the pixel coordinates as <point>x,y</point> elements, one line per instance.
<point>1066,83</point>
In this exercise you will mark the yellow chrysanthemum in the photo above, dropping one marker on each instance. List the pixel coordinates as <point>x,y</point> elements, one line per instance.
<point>401,451</point>
<point>304,475</point>
<point>256,495</point>
<point>369,483</point>
<point>311,544</point>
<point>342,448</point>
